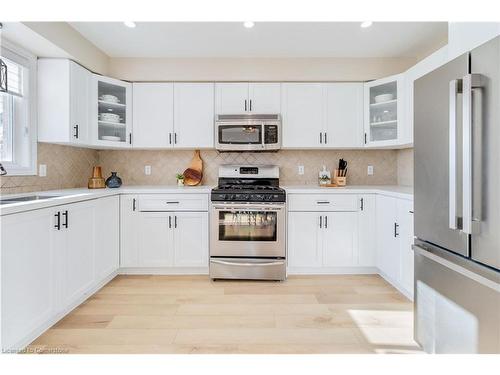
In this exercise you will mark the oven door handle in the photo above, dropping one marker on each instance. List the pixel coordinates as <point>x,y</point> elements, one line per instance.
<point>247,208</point>
<point>226,263</point>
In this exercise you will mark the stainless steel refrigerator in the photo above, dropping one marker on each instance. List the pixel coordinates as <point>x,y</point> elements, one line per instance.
<point>457,204</point>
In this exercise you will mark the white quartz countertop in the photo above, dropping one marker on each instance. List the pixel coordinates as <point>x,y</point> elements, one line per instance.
<point>404,192</point>
<point>67,196</point>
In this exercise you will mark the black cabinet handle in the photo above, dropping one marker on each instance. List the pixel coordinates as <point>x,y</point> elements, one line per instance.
<point>245,105</point>
<point>58,221</point>
<point>175,221</point>
<point>130,138</point>
<point>133,204</point>
<point>170,221</point>
<point>250,105</point>
<point>396,226</point>
<point>320,137</point>
<point>76,131</point>
<point>321,221</point>
<point>326,222</point>
<point>362,204</point>
<point>169,138</point>
<point>65,214</point>
<point>365,138</point>
<point>175,138</point>
<point>326,141</point>
<point>410,212</point>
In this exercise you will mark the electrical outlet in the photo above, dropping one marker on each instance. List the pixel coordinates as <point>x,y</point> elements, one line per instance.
<point>370,170</point>
<point>300,169</point>
<point>147,170</point>
<point>42,170</point>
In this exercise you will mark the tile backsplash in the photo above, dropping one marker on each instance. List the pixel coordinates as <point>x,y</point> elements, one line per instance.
<point>166,164</point>
<point>67,167</point>
<point>70,167</point>
<point>405,167</point>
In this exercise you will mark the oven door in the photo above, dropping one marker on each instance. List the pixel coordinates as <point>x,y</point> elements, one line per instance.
<point>247,230</point>
<point>239,136</point>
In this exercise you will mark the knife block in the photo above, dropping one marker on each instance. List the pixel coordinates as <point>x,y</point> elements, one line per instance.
<point>339,180</point>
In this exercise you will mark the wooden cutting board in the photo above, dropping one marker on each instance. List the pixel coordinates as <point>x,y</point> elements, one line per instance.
<point>194,172</point>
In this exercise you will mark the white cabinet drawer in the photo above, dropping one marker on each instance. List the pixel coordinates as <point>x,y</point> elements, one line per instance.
<point>323,202</point>
<point>173,202</point>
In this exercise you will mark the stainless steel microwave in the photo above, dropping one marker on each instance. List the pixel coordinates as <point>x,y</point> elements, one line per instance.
<point>248,132</point>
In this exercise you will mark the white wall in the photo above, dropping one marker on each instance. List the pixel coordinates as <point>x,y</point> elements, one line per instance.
<point>464,36</point>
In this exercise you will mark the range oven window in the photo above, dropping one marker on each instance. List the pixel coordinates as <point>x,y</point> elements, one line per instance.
<point>240,134</point>
<point>247,226</point>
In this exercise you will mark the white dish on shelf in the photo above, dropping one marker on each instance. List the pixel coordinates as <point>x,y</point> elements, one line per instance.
<point>383,98</point>
<point>110,117</point>
<point>111,138</point>
<point>109,98</point>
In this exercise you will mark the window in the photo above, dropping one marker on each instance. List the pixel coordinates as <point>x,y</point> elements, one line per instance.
<point>17,112</point>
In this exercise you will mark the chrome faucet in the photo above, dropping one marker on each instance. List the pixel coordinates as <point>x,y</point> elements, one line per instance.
<point>3,172</point>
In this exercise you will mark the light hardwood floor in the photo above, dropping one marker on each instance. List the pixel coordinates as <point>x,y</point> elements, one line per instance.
<point>191,314</point>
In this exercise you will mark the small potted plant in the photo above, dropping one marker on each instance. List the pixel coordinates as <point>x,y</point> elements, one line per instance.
<point>180,179</point>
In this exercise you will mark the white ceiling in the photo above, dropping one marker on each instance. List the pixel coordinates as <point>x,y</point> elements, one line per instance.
<point>266,39</point>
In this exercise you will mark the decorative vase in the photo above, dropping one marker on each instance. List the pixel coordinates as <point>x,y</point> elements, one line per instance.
<point>113,181</point>
<point>180,182</point>
<point>96,181</point>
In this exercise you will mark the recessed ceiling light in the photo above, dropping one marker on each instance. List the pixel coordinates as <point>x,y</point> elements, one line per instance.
<point>248,24</point>
<point>366,24</point>
<point>130,24</point>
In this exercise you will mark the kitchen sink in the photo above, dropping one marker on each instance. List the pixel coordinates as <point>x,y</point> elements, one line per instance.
<point>28,198</point>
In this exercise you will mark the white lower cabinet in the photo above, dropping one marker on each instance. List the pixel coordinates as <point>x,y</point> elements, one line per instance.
<point>155,239</point>
<point>367,231</point>
<point>340,245</point>
<point>75,250</point>
<point>164,239</point>
<point>52,259</point>
<point>329,241</point>
<point>394,241</point>
<point>28,269</point>
<point>305,239</point>
<point>191,239</point>
<point>107,236</point>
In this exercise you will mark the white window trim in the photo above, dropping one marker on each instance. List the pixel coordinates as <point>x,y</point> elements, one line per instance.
<point>12,168</point>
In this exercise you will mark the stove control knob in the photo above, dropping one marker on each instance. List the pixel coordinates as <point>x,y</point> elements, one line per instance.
<point>222,196</point>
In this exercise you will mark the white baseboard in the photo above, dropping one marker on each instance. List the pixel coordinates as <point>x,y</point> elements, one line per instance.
<point>397,285</point>
<point>331,270</point>
<point>163,271</point>
<point>33,335</point>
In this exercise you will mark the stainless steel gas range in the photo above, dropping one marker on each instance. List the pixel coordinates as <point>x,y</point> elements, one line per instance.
<point>247,235</point>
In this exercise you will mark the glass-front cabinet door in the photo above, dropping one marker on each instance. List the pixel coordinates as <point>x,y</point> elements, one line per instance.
<point>383,111</point>
<point>112,112</point>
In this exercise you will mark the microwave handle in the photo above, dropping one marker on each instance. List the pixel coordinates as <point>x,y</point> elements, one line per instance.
<point>263,135</point>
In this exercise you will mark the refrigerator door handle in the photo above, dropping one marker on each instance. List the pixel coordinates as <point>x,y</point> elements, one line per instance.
<point>471,121</point>
<point>455,88</point>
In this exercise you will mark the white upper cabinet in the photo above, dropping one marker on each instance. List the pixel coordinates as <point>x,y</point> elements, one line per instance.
<point>344,116</point>
<point>193,115</point>
<point>264,98</point>
<point>231,98</point>
<point>384,112</point>
<point>63,102</point>
<point>153,114</point>
<point>304,115</point>
<point>245,98</point>
<point>110,112</point>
